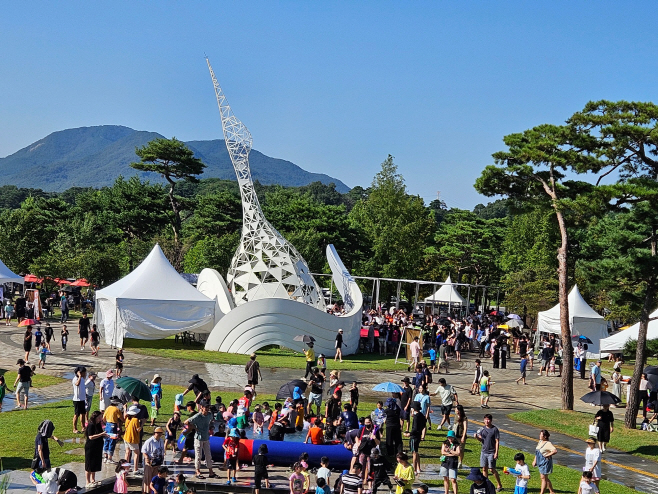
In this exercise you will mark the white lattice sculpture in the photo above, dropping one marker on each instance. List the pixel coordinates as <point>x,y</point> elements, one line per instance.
<point>265,265</point>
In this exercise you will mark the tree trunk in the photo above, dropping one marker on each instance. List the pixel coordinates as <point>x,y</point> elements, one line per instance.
<point>567,348</point>
<point>630,418</point>
<point>176,224</point>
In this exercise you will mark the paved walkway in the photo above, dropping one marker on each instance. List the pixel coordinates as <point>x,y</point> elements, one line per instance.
<point>507,396</point>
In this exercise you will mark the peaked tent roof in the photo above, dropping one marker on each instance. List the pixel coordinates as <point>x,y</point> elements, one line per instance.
<point>577,308</point>
<point>8,276</point>
<point>447,294</point>
<point>617,341</point>
<point>153,279</point>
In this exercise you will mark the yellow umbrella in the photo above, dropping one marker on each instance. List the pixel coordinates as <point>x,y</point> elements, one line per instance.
<point>624,327</point>
<point>503,326</point>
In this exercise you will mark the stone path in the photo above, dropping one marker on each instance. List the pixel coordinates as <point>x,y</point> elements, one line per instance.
<point>507,396</point>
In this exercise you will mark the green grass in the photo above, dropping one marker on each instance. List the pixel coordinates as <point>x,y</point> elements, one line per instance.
<point>636,442</point>
<point>272,357</point>
<point>19,428</point>
<point>38,380</point>
<point>626,368</point>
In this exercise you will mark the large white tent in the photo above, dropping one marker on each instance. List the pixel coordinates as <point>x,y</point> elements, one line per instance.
<point>8,276</point>
<point>616,342</point>
<point>583,320</point>
<point>447,294</point>
<point>152,302</point>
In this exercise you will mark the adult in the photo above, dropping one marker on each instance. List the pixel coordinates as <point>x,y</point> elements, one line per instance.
<point>253,372</point>
<point>41,446</point>
<point>106,390</point>
<point>583,361</point>
<point>489,436</point>
<point>280,428</point>
<point>197,386</point>
<point>393,428</point>
<point>201,422</point>
<point>643,397</point>
<point>22,383</point>
<point>424,399</point>
<point>481,484</point>
<point>544,453</point>
<point>27,343</point>
<point>605,421</point>
<point>94,437</point>
<point>113,419</point>
<point>64,306</point>
<point>339,346</point>
<point>450,450</point>
<point>404,473</point>
<point>475,386</point>
<point>368,439</point>
<point>84,325</point>
<point>461,431</point>
<point>415,353</point>
<point>448,397</point>
<point>596,376</point>
<point>615,377</point>
<point>418,426</point>
<point>153,455</point>
<point>315,395</point>
<point>309,354</point>
<point>332,407</point>
<point>349,418</point>
<point>48,331</point>
<point>79,396</point>
<point>406,397</point>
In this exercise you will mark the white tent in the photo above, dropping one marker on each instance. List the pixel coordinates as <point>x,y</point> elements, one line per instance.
<point>152,302</point>
<point>583,320</point>
<point>8,276</point>
<point>616,342</point>
<point>447,294</point>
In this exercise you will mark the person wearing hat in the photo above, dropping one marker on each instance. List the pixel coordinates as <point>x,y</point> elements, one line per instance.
<point>231,447</point>
<point>481,484</point>
<point>106,390</point>
<point>131,435</point>
<point>201,422</point>
<point>380,467</point>
<point>310,359</point>
<point>593,460</point>
<point>156,397</point>
<point>339,346</point>
<point>450,451</point>
<point>253,372</point>
<point>153,453</point>
<point>112,417</point>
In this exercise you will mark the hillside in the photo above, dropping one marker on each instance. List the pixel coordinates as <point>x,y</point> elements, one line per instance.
<point>95,156</point>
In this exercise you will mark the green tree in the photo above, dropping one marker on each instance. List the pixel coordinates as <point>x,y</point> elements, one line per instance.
<point>174,161</point>
<point>395,223</point>
<point>212,252</point>
<point>215,215</point>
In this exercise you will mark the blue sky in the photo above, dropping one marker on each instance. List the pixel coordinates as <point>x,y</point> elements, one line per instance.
<point>331,86</point>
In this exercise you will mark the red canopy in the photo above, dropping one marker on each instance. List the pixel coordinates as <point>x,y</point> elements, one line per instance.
<point>364,333</point>
<point>80,282</point>
<point>62,281</point>
<point>30,278</point>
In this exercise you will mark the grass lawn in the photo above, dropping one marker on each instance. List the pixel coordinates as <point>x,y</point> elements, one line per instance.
<point>19,428</point>
<point>637,442</point>
<point>268,357</point>
<point>38,380</point>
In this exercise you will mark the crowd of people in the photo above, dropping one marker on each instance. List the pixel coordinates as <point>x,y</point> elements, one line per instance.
<point>385,443</point>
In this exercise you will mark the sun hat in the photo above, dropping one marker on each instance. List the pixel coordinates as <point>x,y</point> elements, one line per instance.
<point>451,434</point>
<point>234,433</point>
<point>158,429</point>
<point>476,475</point>
<point>133,410</point>
<point>406,380</point>
<point>109,373</point>
<point>304,464</point>
<point>590,440</point>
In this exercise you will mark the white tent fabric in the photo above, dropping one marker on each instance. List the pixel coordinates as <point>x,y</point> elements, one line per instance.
<point>152,302</point>
<point>583,320</point>
<point>8,276</point>
<point>617,341</point>
<point>447,294</point>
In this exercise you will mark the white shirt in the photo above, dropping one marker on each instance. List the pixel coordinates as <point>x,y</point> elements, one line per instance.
<point>586,488</point>
<point>525,472</point>
<point>78,390</point>
<point>324,473</point>
<point>90,387</point>
<point>593,455</point>
<point>154,449</point>
<point>415,349</point>
<point>446,393</point>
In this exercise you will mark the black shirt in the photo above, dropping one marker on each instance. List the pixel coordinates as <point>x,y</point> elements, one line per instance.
<point>486,487</point>
<point>83,324</point>
<point>333,408</point>
<point>316,384</point>
<point>392,416</point>
<point>406,396</point>
<point>419,423</point>
<point>260,464</point>
<point>24,373</point>
<point>339,340</point>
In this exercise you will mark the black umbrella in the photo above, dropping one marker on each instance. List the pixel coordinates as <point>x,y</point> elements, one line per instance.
<point>652,375</point>
<point>287,389</point>
<point>304,338</point>
<point>600,398</point>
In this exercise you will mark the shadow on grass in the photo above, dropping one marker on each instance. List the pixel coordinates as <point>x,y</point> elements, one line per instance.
<point>651,450</point>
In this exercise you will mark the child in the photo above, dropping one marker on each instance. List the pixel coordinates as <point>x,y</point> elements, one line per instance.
<point>485,385</point>
<point>231,446</point>
<point>531,356</point>
<point>258,419</point>
<point>171,429</point>
<point>260,469</point>
<point>522,368</point>
<point>587,485</point>
<point>120,484</point>
<point>322,487</point>
<point>551,366</point>
<point>377,416</point>
<point>65,337</point>
<point>354,396</point>
<point>296,480</point>
<point>178,402</point>
<point>159,482</point>
<point>3,390</point>
<point>523,476</point>
<point>38,335</point>
<point>43,352</point>
<point>324,472</point>
<point>180,487</point>
<point>432,353</point>
<point>95,340</point>
<point>90,389</point>
<point>242,421</point>
<point>267,412</point>
<point>322,364</point>
<point>156,397</point>
<point>380,467</point>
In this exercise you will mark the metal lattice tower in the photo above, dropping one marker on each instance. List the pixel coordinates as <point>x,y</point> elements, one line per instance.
<point>265,265</point>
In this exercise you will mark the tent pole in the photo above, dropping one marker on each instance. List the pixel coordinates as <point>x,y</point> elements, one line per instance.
<point>497,299</point>
<point>413,307</point>
<point>397,301</point>
<point>468,301</point>
<point>331,290</point>
<point>377,296</point>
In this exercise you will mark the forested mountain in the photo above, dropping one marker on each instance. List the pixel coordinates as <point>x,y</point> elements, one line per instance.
<point>95,156</point>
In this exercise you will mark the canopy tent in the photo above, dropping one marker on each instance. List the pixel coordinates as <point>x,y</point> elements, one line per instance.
<point>8,276</point>
<point>447,294</point>
<point>583,320</point>
<point>152,302</point>
<point>617,341</point>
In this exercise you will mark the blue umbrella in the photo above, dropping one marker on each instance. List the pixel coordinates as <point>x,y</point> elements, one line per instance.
<point>388,387</point>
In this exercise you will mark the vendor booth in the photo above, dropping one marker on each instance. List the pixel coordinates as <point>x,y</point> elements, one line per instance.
<point>616,342</point>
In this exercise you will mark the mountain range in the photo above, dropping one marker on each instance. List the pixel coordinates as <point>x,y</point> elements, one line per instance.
<point>95,156</point>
